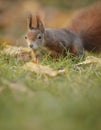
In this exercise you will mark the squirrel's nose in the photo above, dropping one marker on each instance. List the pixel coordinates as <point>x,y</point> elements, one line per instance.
<point>31,45</point>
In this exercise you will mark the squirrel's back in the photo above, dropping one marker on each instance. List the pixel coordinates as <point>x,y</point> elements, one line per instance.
<point>87,24</point>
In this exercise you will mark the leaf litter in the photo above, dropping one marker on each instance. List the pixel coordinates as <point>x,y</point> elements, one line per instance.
<point>26,54</point>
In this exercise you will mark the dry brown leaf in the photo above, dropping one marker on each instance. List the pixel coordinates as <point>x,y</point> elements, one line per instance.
<point>89,60</point>
<point>40,69</point>
<point>22,53</point>
<point>13,50</point>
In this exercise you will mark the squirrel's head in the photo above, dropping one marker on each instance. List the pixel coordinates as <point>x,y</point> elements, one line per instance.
<point>35,35</point>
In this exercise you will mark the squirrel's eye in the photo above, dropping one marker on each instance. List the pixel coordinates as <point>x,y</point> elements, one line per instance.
<point>25,37</point>
<point>39,37</point>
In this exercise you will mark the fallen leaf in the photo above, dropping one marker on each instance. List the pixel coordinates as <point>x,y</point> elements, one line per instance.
<point>40,69</point>
<point>89,60</point>
<point>22,53</point>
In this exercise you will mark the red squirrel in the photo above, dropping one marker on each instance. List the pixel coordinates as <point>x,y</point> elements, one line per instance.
<point>84,33</point>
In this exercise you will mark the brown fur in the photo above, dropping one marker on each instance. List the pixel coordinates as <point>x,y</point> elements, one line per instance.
<point>87,24</point>
<point>84,32</point>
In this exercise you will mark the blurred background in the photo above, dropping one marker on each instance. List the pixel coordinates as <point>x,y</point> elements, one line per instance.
<point>55,13</point>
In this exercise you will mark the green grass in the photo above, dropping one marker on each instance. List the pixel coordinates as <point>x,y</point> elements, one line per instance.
<point>71,101</point>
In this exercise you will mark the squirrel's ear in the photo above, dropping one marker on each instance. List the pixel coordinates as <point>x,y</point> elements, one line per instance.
<point>29,21</point>
<point>39,23</point>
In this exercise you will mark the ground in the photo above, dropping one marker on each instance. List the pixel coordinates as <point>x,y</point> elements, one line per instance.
<point>70,101</point>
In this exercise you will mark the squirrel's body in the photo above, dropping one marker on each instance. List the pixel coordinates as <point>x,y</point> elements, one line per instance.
<point>84,32</point>
<point>61,40</point>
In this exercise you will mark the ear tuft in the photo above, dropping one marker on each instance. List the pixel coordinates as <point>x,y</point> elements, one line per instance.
<point>39,23</point>
<point>29,21</point>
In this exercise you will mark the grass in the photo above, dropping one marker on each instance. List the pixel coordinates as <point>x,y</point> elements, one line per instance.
<point>71,101</point>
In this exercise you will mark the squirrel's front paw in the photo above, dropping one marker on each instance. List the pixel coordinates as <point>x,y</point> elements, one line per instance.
<point>37,59</point>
